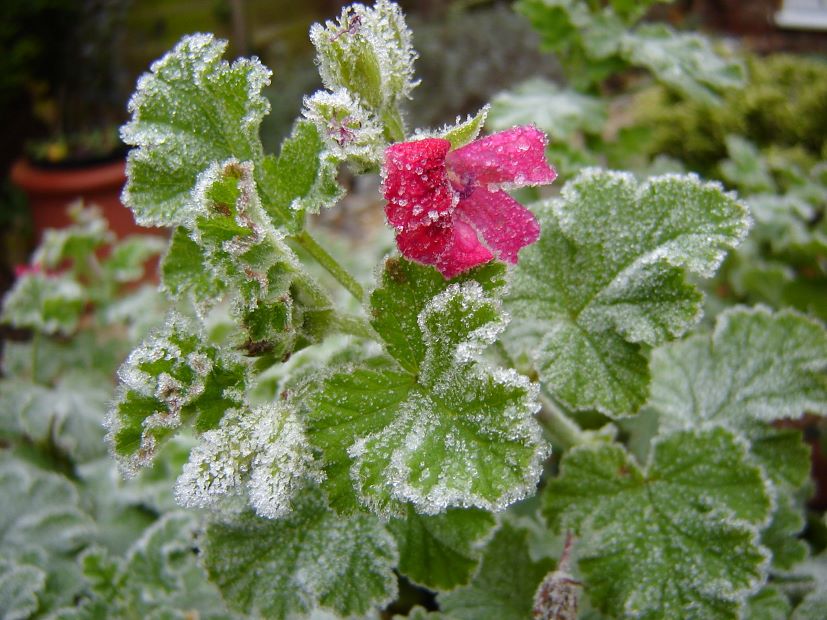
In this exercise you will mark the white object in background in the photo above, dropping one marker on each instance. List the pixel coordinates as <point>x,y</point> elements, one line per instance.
<point>803,14</point>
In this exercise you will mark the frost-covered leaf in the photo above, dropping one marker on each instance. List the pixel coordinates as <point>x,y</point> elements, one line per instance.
<point>442,551</point>
<point>650,542</point>
<point>746,169</point>
<point>69,414</point>
<point>184,269</point>
<point>311,558</point>
<point>685,62</point>
<point>814,604</point>
<point>464,131</point>
<point>503,587</point>
<point>757,366</point>
<point>302,179</point>
<point>768,604</point>
<point>127,260</point>
<point>557,111</point>
<point>20,586</point>
<point>439,429</point>
<point>46,303</point>
<point>607,279</point>
<point>171,379</point>
<point>191,110</point>
<point>262,453</point>
<point>159,577</point>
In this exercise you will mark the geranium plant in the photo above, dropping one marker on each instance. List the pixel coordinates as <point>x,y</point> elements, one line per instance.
<point>519,411</point>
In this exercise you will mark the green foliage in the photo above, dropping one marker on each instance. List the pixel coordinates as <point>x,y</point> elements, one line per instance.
<point>313,557</point>
<point>433,426</point>
<point>649,541</point>
<point>607,280</point>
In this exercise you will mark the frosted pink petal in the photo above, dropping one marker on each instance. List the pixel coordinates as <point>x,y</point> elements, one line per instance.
<point>416,183</point>
<point>464,251</point>
<point>505,224</point>
<point>515,156</point>
<point>424,244</point>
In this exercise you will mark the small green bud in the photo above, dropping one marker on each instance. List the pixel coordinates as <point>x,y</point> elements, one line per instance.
<point>367,51</point>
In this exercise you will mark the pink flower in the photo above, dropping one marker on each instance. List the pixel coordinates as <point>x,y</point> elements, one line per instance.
<point>450,209</point>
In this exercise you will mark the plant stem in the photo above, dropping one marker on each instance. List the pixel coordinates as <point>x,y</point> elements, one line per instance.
<point>356,326</point>
<point>563,430</point>
<point>330,264</point>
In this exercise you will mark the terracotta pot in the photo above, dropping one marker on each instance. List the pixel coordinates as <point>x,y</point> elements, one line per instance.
<point>51,190</point>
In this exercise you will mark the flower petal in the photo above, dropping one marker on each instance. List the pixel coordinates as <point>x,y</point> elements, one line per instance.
<point>463,252</point>
<point>424,244</point>
<point>515,157</point>
<point>505,224</point>
<point>416,183</point>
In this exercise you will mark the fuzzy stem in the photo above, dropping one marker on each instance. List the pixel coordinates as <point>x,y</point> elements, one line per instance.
<point>330,264</point>
<point>564,431</point>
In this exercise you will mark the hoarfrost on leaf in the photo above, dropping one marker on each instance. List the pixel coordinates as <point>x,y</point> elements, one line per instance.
<point>433,426</point>
<point>757,366</point>
<point>311,558</point>
<point>676,539</point>
<point>261,453</point>
<point>608,279</point>
<point>191,110</point>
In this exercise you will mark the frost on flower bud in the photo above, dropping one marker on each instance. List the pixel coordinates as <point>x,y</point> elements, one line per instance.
<point>557,597</point>
<point>368,51</point>
<point>349,130</point>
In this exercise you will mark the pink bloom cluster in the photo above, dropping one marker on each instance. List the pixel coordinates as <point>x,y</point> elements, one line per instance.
<point>450,208</point>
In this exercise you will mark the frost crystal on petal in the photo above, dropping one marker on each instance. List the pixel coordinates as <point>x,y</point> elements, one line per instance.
<point>449,208</point>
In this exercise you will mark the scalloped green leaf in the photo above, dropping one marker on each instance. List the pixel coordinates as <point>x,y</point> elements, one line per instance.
<point>47,303</point>
<point>756,366</point>
<point>649,541</point>
<point>311,558</point>
<point>20,585</point>
<point>192,109</point>
<point>685,62</point>
<point>439,429</point>
<point>557,111</point>
<point>441,552</point>
<point>184,269</point>
<point>171,379</point>
<point>503,587</point>
<point>608,279</point>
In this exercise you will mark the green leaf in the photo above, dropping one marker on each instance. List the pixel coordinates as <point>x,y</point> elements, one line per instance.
<point>815,602</point>
<point>20,586</point>
<point>757,366</point>
<point>159,577</point>
<point>441,552</point>
<point>191,110</point>
<point>127,260</point>
<point>631,10</point>
<point>262,452</point>
<point>171,379</point>
<point>649,542</point>
<point>302,179</point>
<point>607,279</point>
<point>768,604</point>
<point>46,303</point>
<point>462,132</point>
<point>746,169</point>
<point>504,586</point>
<point>685,62</point>
<point>311,558</point>
<point>557,111</point>
<point>440,429</point>
<point>184,269</point>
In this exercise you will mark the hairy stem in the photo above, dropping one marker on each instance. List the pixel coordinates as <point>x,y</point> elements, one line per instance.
<point>330,264</point>
<point>564,431</point>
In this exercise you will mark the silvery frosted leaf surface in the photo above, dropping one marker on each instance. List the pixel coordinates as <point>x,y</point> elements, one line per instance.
<point>768,604</point>
<point>557,111</point>
<point>503,587</point>
<point>441,552</point>
<point>677,539</point>
<point>757,366</point>
<point>433,426</point>
<point>685,62</point>
<point>184,269</point>
<point>172,378</point>
<point>261,453</point>
<point>46,303</point>
<point>191,110</point>
<point>20,585</point>
<point>465,131</point>
<point>311,558</point>
<point>159,578</point>
<point>608,279</point>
